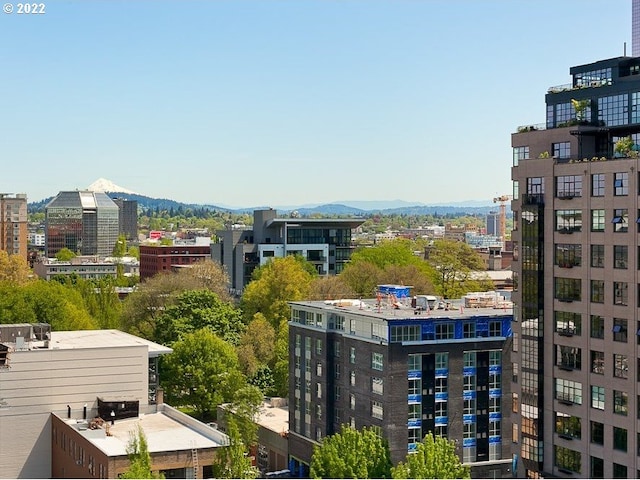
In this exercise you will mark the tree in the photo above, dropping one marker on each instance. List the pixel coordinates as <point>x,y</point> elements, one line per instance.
<point>257,345</point>
<point>452,265</point>
<point>435,457</point>
<point>201,373</point>
<point>208,275</point>
<point>231,461</point>
<point>65,255</point>
<point>362,277</point>
<point>139,456</point>
<point>281,360</point>
<point>331,287</point>
<point>120,248</point>
<point>14,269</point>
<point>273,285</point>
<point>197,309</point>
<point>351,453</point>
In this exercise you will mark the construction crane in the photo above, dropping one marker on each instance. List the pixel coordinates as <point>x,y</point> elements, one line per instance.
<point>502,200</point>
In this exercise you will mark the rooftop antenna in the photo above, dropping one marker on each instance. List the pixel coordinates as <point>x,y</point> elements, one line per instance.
<point>625,50</point>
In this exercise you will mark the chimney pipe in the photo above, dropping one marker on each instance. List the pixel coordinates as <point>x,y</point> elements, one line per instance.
<point>68,411</point>
<point>84,412</point>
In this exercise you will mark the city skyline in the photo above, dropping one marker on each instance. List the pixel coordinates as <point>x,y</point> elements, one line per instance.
<point>236,103</point>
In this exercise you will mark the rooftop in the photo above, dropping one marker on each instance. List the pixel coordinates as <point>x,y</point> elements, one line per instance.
<point>165,430</point>
<point>274,418</point>
<point>102,339</point>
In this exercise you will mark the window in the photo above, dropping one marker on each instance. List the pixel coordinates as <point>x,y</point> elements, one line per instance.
<point>514,402</point>
<point>318,369</point>
<point>514,372</point>
<point>336,371</point>
<point>597,433</point>
<point>568,425</point>
<point>377,361</point>
<point>621,183</point>
<point>620,365</point>
<point>495,328</point>
<point>520,153</point>
<point>567,289</point>
<point>620,293</point>
<point>568,255</point>
<point>495,357</point>
<point>597,291</point>
<point>352,401</point>
<point>597,468</point>
<point>620,256</point>
<point>495,381</point>
<point>568,358</point>
<point>377,385</point>
<point>597,326</point>
<point>597,362</point>
<point>620,439</point>
<point>442,360</point>
<point>469,383</point>
<point>619,471</point>
<point>562,150</point>
<point>567,459</point>
<point>469,359</point>
<point>444,331</point>
<point>376,409</point>
<point>597,397</point>
<point>597,185</point>
<point>619,330</point>
<point>336,348</point>
<point>441,384</point>
<point>568,323</point>
<point>568,221</point>
<point>597,220</point>
<point>597,256</point>
<point>405,333</point>
<point>468,329</point>
<point>568,186</point>
<point>352,355</point>
<point>620,220</point>
<point>441,409</point>
<point>414,362</point>
<point>620,403</point>
<point>568,391</point>
<point>318,346</point>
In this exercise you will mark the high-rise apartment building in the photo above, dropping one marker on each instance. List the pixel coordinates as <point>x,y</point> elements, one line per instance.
<point>13,224</point>
<point>493,224</point>
<point>386,363</point>
<point>577,233</point>
<point>85,222</point>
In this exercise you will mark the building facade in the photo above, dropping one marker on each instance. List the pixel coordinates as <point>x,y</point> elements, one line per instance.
<point>85,222</point>
<point>326,243</point>
<point>156,259</point>
<point>13,224</point>
<point>127,218</point>
<point>576,261</point>
<point>87,268</point>
<point>404,372</point>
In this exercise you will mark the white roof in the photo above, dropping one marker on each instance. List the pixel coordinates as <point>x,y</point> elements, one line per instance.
<point>104,339</point>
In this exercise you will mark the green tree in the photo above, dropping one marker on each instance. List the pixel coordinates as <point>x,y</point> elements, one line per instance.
<point>197,309</point>
<point>331,287</point>
<point>435,457</point>
<point>257,345</point>
<point>453,264</point>
<point>232,461</point>
<point>281,360</point>
<point>201,373</point>
<point>351,453</point>
<point>362,277</point>
<point>65,255</point>
<point>273,285</point>
<point>139,456</point>
<point>120,248</point>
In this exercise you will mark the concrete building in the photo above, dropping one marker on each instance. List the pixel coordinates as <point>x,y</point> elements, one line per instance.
<point>85,267</point>
<point>84,222</point>
<point>179,445</point>
<point>403,371</point>
<point>44,372</point>
<point>324,242</point>
<point>156,259</point>
<point>127,218</point>
<point>577,208</point>
<point>493,224</point>
<point>13,224</point>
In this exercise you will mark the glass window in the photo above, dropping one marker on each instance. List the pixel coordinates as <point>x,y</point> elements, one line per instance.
<point>597,433</point>
<point>620,256</point>
<point>597,220</point>
<point>469,329</point>
<point>495,328</point>
<point>597,291</point>
<point>568,358</point>
<point>620,365</point>
<point>597,468</point>
<point>562,150</point>
<point>597,185</point>
<point>621,183</point>
<point>568,255</point>
<point>597,362</point>
<point>620,220</point>
<point>520,153</point>
<point>352,355</point>
<point>613,110</point>
<point>469,359</point>
<point>597,256</point>
<point>568,391</point>
<point>568,323</point>
<point>597,397</point>
<point>567,459</point>
<point>445,331</point>
<point>619,471</point>
<point>620,402</point>
<point>597,326</point>
<point>568,425</point>
<point>377,385</point>
<point>377,409</point>
<point>620,293</point>
<point>567,289</point>
<point>377,361</point>
<point>619,330</point>
<point>568,186</point>
<point>568,221</point>
<point>620,439</point>
<point>442,360</point>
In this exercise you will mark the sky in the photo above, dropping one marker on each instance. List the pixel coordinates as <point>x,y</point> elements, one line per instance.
<point>286,102</point>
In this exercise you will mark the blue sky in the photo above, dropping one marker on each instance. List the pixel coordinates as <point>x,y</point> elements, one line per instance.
<point>289,102</point>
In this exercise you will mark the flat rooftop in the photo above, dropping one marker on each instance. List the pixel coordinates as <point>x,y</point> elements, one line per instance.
<point>273,418</point>
<point>164,432</point>
<point>103,339</point>
<point>402,309</point>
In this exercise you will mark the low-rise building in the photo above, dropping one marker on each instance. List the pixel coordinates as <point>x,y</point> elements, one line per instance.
<point>85,267</point>
<point>156,259</point>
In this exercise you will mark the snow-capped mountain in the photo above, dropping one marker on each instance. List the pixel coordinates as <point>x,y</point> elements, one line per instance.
<point>104,185</point>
